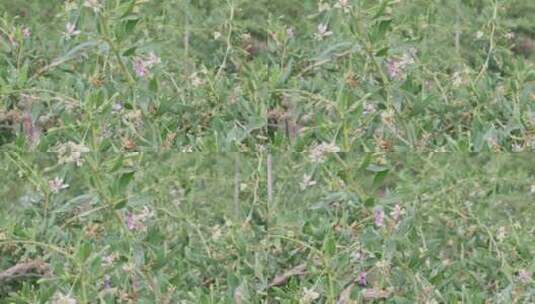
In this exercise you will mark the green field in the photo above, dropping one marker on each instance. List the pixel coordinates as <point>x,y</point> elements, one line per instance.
<point>283,151</point>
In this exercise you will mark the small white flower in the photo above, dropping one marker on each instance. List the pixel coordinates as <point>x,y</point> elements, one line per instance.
<point>70,5</point>
<point>502,234</point>
<point>318,152</point>
<point>344,5</point>
<point>196,81</point>
<point>532,189</point>
<point>369,108</point>
<point>109,259</point>
<point>71,152</point>
<point>457,79</point>
<point>322,6</point>
<point>137,221</point>
<point>70,31</point>
<point>57,184</point>
<point>309,295</point>
<point>510,35</point>
<point>117,107</point>
<point>217,35</point>
<point>479,35</point>
<point>307,182</point>
<point>322,32</point>
<point>93,4</point>
<point>60,298</point>
<point>397,213</point>
<point>517,148</point>
<point>26,32</point>
<point>153,59</point>
<point>290,33</point>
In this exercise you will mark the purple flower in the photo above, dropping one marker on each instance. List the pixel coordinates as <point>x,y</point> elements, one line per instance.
<point>396,67</point>
<point>130,223</point>
<point>524,276</point>
<point>379,217</point>
<point>106,284</point>
<point>56,185</point>
<point>137,221</point>
<point>362,279</point>
<point>395,70</point>
<point>140,67</point>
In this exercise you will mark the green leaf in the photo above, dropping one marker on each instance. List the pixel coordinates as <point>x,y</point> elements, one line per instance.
<point>129,25</point>
<point>84,251</point>
<point>120,205</point>
<point>329,246</point>
<point>379,177</point>
<point>381,9</point>
<point>126,8</point>
<point>376,168</point>
<point>369,202</point>
<point>382,52</point>
<point>153,85</point>
<point>129,52</point>
<point>124,180</point>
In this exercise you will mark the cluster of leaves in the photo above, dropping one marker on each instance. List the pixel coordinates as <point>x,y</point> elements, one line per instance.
<point>215,234</point>
<point>240,74</point>
<point>96,97</point>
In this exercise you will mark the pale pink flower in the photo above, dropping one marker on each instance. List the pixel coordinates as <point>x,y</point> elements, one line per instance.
<point>524,276</point>
<point>290,33</point>
<point>395,70</point>
<point>95,5</point>
<point>60,298</point>
<point>369,108</point>
<point>379,216</point>
<point>307,182</point>
<point>153,59</point>
<point>57,184</point>
<point>70,31</point>
<point>322,32</point>
<point>309,295</point>
<point>137,221</point>
<point>318,152</point>
<point>397,213</point>
<point>71,152</point>
<point>363,279</point>
<point>108,260</point>
<point>502,234</point>
<point>26,32</point>
<point>396,67</point>
<point>142,66</point>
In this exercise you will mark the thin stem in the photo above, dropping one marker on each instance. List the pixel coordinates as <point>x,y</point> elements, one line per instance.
<point>115,50</point>
<point>229,44</point>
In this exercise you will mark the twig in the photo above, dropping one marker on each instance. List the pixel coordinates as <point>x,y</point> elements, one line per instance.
<point>27,269</point>
<point>269,178</point>
<point>237,185</point>
<point>325,61</point>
